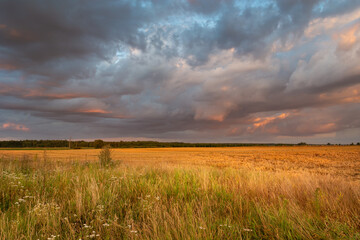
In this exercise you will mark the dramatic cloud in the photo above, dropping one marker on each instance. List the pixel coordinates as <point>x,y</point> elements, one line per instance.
<point>188,70</point>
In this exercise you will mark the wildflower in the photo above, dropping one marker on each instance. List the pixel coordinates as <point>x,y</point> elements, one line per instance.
<point>106,224</point>
<point>157,198</point>
<point>133,231</point>
<point>247,230</point>
<point>29,197</point>
<point>113,178</point>
<point>22,200</point>
<point>202,228</point>
<point>221,225</point>
<point>100,208</point>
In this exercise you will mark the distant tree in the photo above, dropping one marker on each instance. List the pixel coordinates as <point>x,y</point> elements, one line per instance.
<point>98,143</point>
<point>352,144</point>
<point>329,144</point>
<point>358,143</point>
<point>302,143</point>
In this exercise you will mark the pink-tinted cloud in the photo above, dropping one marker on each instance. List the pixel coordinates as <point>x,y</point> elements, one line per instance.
<point>36,92</point>
<point>348,38</point>
<point>101,111</point>
<point>14,126</point>
<point>4,66</point>
<point>261,123</point>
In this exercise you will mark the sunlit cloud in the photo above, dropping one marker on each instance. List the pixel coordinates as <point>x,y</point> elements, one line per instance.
<point>14,126</point>
<point>348,38</point>
<point>262,122</point>
<point>94,111</point>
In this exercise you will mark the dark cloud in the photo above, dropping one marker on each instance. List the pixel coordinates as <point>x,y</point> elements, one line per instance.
<point>207,6</point>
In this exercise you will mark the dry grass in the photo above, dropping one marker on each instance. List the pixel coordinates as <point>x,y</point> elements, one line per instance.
<point>203,193</point>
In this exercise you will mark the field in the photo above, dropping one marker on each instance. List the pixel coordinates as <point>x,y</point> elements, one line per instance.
<point>301,192</point>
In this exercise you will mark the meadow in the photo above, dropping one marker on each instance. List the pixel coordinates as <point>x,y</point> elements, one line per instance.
<point>300,192</point>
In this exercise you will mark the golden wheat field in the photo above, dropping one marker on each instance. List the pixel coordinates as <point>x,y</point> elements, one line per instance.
<point>300,192</point>
<point>343,161</point>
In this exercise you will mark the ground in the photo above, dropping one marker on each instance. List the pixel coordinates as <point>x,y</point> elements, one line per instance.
<point>300,192</point>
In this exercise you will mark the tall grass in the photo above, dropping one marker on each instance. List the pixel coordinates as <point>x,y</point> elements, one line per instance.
<point>105,156</point>
<point>48,200</point>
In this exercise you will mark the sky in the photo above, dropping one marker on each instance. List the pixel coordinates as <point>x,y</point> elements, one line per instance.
<point>181,70</point>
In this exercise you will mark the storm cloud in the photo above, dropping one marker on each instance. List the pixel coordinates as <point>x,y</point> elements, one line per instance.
<point>196,70</point>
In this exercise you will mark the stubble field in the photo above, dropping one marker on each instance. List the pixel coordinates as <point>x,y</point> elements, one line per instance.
<point>301,192</point>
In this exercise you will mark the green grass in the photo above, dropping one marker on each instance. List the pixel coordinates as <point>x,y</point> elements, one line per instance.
<point>85,201</point>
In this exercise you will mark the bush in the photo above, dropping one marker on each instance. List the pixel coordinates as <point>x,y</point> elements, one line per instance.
<point>99,143</point>
<point>105,156</point>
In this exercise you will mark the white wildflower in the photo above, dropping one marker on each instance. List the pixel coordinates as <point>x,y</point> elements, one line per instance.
<point>247,230</point>
<point>224,225</point>
<point>28,197</point>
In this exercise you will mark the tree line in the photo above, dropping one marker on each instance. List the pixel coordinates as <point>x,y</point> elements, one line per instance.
<point>120,144</point>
